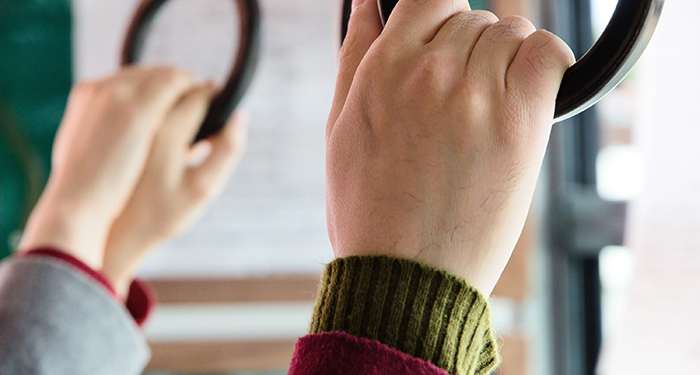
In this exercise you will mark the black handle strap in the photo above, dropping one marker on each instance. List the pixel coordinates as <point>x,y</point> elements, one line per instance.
<point>603,67</point>
<point>241,73</point>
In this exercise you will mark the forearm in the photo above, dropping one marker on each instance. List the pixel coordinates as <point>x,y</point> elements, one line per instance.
<point>61,220</point>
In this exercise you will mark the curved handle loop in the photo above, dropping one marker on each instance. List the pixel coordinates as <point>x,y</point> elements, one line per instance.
<point>603,67</point>
<point>241,73</point>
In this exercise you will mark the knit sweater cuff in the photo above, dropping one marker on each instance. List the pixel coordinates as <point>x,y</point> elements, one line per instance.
<point>417,309</point>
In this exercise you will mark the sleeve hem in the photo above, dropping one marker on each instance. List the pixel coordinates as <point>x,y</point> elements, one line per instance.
<point>417,309</point>
<point>141,299</point>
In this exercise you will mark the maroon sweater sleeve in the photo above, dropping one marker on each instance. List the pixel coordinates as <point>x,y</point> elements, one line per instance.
<point>338,353</point>
<point>140,301</point>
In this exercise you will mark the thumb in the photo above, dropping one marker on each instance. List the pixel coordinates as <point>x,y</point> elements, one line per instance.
<point>209,178</point>
<point>364,28</point>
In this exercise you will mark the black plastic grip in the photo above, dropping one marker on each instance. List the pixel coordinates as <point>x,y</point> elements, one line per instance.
<point>602,68</point>
<point>242,71</point>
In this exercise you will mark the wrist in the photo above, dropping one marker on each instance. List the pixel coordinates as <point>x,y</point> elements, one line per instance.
<point>123,253</point>
<point>120,284</point>
<point>482,270</point>
<point>61,222</point>
<point>119,274</point>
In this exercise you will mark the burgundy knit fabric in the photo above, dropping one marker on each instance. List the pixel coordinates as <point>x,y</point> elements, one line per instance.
<point>140,301</point>
<point>338,353</point>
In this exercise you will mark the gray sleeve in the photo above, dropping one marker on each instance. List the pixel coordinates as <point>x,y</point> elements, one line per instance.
<point>56,321</point>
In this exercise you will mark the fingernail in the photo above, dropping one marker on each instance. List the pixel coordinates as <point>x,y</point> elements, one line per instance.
<point>356,4</point>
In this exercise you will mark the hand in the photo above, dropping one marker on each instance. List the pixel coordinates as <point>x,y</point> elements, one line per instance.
<point>99,153</point>
<point>172,192</point>
<point>437,134</point>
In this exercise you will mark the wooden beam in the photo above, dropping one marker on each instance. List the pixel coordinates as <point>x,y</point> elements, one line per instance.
<point>236,290</point>
<point>220,357</point>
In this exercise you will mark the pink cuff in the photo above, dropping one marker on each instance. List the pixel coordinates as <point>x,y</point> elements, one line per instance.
<point>140,301</point>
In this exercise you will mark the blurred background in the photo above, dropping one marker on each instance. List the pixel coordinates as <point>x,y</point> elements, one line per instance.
<point>605,279</point>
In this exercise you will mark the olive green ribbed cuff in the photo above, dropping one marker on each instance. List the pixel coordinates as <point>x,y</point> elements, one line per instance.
<point>417,309</point>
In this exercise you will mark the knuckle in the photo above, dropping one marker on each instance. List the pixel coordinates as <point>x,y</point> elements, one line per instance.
<point>388,53</point>
<point>114,99</point>
<point>116,91</point>
<point>430,68</point>
<point>549,44</point>
<point>514,27</point>
<point>543,52</point>
<point>475,19</point>
<point>164,76</point>
<point>164,72</point>
<point>466,22</point>
<point>520,22</point>
<point>485,15</point>
<point>118,99</point>
<point>85,87</point>
<point>161,75</point>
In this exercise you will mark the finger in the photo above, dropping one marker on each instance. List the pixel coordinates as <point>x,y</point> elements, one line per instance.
<point>141,75</point>
<point>461,32</point>
<point>534,78</point>
<point>78,100</point>
<point>149,93</point>
<point>162,87</point>
<point>126,73</point>
<point>417,22</point>
<point>538,68</point>
<point>496,49</point>
<point>227,149</point>
<point>363,29</point>
<point>131,81</point>
<point>186,117</point>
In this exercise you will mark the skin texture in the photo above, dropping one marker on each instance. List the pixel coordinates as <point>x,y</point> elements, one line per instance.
<point>437,134</point>
<point>122,136</point>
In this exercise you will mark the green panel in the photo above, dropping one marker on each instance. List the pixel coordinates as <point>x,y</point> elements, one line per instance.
<point>35,79</point>
<point>479,4</point>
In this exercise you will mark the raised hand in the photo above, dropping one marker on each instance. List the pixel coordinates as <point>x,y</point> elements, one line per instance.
<point>99,154</point>
<point>437,134</point>
<point>172,190</point>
